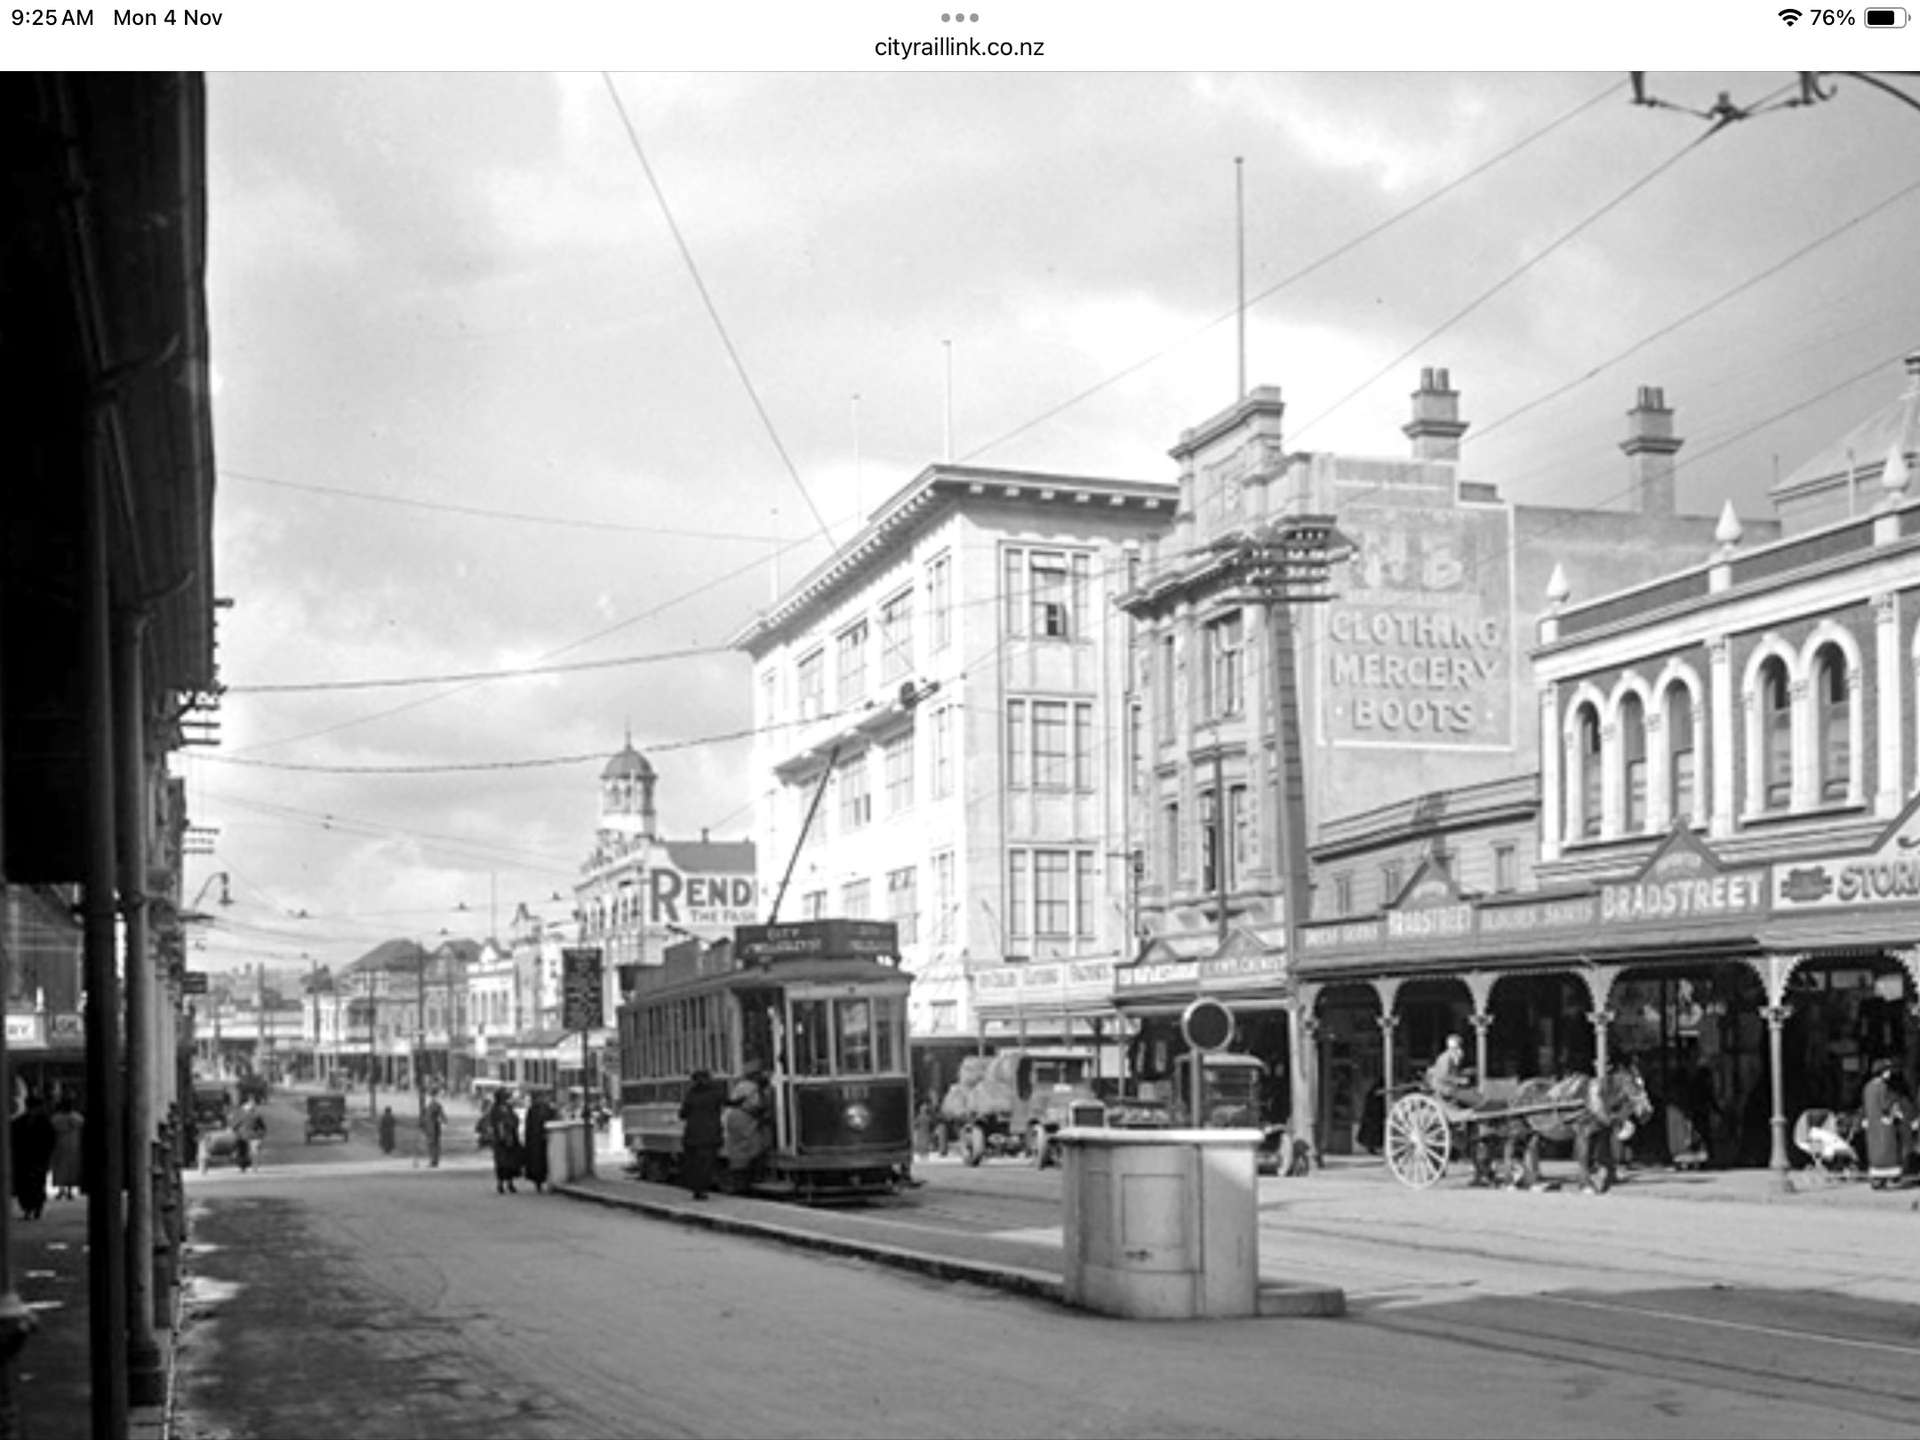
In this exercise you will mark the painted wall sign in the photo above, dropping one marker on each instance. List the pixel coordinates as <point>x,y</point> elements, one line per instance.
<point>678,897</point>
<point>1889,874</point>
<point>1418,645</point>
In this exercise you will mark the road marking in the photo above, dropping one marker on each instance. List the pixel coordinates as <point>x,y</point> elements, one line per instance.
<point>1774,1331</point>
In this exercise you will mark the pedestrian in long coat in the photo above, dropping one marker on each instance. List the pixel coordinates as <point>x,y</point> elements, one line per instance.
<point>534,1130</point>
<point>32,1138</point>
<point>67,1159</point>
<point>433,1123</point>
<point>704,1131</point>
<point>1884,1114</point>
<point>386,1131</point>
<point>503,1135</point>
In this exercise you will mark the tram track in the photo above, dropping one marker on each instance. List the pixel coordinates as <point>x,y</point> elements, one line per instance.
<point>1854,1374</point>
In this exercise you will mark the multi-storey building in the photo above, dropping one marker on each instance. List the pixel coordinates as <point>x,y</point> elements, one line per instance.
<point>949,675</point>
<point>638,893</point>
<point>1730,760</point>
<point>1406,683</point>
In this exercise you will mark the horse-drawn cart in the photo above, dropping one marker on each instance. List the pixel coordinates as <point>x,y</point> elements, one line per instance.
<point>1425,1132</point>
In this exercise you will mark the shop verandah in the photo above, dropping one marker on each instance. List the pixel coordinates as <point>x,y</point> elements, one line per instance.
<point>1710,1029</point>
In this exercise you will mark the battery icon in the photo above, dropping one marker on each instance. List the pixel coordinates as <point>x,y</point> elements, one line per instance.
<point>1886,17</point>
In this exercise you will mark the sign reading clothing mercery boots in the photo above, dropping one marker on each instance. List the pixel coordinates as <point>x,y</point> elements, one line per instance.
<point>1888,874</point>
<point>1419,640</point>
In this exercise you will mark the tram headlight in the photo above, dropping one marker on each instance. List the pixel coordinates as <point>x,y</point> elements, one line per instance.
<point>858,1116</point>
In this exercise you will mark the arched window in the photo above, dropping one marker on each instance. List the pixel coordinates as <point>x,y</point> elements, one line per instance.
<point>1776,735</point>
<point>1833,721</point>
<point>1587,761</point>
<point>1633,764</point>
<point>1681,792</point>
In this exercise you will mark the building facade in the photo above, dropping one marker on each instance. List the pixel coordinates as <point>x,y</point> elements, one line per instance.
<point>938,743</point>
<point>1730,759</point>
<point>1406,682</point>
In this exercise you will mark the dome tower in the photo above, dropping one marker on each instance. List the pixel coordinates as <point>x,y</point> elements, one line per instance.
<point>626,794</point>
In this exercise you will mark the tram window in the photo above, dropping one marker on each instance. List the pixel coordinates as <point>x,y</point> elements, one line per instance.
<point>812,1046</point>
<point>886,1036</point>
<point>856,1037</point>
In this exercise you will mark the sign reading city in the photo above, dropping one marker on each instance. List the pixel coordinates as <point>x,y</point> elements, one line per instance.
<point>580,988</point>
<point>1418,645</point>
<point>874,939</point>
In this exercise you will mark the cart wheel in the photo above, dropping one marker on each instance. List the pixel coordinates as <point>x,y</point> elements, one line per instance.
<point>973,1145</point>
<point>1418,1141</point>
<point>1037,1146</point>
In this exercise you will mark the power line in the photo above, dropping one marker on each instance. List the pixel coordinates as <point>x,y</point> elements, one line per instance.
<point>1324,260</point>
<point>1509,278</point>
<point>713,312</point>
<point>479,512</point>
<point>477,676</point>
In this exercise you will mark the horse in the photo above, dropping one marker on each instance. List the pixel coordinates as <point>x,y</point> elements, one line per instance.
<point>1577,1107</point>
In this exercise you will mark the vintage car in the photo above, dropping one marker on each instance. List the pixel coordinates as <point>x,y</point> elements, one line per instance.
<point>1230,1099</point>
<point>327,1116</point>
<point>212,1107</point>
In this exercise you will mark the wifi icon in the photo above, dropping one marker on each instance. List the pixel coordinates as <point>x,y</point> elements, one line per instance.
<point>1789,16</point>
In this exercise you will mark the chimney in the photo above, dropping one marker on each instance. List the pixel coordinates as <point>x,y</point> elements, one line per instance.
<point>1436,427</point>
<point>1649,446</point>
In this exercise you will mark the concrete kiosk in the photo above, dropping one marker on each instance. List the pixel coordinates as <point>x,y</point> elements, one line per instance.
<point>1162,1224</point>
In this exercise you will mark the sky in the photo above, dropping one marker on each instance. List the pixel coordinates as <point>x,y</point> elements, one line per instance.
<point>523,369</point>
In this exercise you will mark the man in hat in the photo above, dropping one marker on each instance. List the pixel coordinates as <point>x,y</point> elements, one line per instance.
<point>1884,1114</point>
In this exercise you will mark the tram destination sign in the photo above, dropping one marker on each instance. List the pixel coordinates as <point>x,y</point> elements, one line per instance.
<point>874,939</point>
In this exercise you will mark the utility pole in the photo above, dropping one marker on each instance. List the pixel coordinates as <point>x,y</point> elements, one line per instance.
<point>1277,565</point>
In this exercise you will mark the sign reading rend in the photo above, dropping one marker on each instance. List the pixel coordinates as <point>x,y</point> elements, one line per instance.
<point>1419,645</point>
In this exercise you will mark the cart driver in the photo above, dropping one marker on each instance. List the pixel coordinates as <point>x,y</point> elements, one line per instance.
<point>1450,1079</point>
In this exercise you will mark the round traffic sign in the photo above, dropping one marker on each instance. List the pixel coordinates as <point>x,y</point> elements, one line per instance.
<point>1207,1024</point>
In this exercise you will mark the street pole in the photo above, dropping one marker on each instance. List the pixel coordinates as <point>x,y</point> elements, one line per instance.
<point>420,1032</point>
<point>373,1099</point>
<point>1277,565</point>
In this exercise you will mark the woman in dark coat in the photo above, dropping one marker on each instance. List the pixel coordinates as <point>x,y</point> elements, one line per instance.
<point>534,1147</point>
<point>700,1141</point>
<point>503,1135</point>
<point>33,1139</point>
<point>1885,1117</point>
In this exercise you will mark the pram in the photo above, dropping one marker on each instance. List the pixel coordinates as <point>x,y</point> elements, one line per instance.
<point>1826,1138</point>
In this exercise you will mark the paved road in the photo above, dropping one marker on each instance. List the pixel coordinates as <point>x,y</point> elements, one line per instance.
<point>367,1298</point>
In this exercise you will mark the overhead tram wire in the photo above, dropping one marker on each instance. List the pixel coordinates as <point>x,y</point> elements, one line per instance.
<point>1271,290</point>
<point>1303,272</point>
<point>1482,431</point>
<point>477,676</point>
<point>1509,278</point>
<point>713,312</point>
<point>478,512</point>
<point>711,584</point>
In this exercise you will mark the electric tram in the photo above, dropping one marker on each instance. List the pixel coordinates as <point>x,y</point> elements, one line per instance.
<point>815,1014</point>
